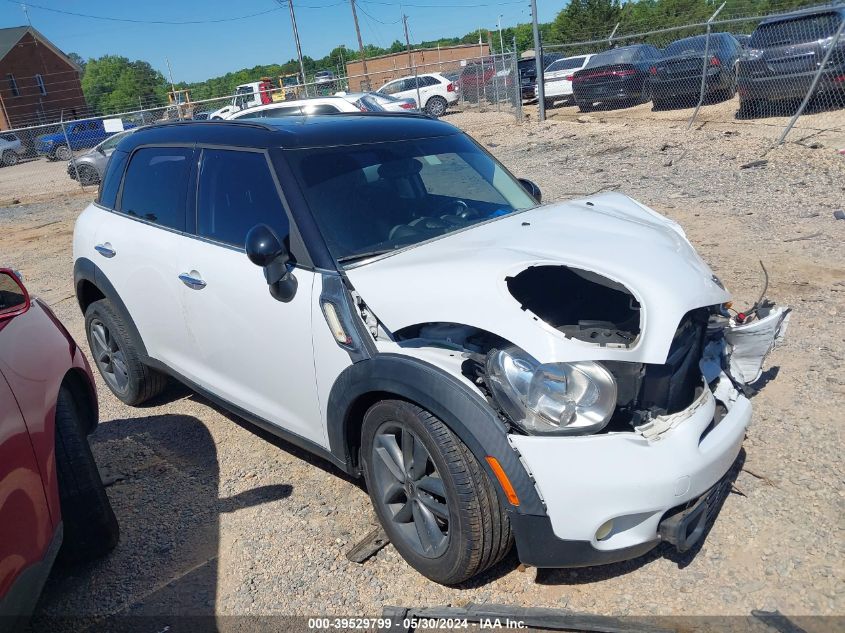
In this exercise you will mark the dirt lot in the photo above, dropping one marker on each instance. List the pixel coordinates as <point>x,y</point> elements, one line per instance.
<point>36,179</point>
<point>215,519</point>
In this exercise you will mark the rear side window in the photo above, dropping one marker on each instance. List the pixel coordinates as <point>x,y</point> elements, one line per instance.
<point>155,184</point>
<point>111,181</point>
<point>320,108</point>
<point>236,192</point>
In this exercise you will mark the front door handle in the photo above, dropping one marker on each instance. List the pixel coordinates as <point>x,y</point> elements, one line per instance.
<point>192,282</point>
<point>105,250</point>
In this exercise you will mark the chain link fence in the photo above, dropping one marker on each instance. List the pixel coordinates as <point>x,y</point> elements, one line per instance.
<point>69,154</point>
<point>783,71</point>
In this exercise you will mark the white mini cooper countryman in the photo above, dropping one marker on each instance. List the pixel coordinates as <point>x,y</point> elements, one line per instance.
<point>380,290</point>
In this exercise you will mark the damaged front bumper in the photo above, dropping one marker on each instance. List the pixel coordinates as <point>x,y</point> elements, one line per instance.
<point>606,495</point>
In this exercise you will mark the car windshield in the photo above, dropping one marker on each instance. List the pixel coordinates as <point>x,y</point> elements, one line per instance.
<point>806,28</point>
<point>626,55</point>
<point>112,141</point>
<point>375,198</point>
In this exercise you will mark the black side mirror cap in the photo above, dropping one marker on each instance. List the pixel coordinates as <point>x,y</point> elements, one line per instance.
<point>531,188</point>
<point>265,249</point>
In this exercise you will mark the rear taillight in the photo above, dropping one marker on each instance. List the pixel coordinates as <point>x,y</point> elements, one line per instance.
<point>569,77</point>
<point>652,70</point>
<point>839,79</point>
<point>714,61</point>
<point>407,106</point>
<point>450,87</point>
<point>625,73</point>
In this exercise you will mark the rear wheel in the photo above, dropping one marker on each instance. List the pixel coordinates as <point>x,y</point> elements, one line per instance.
<point>62,152</point>
<point>431,495</point>
<point>748,109</point>
<point>10,158</point>
<point>90,527</point>
<point>117,358</point>
<point>436,106</point>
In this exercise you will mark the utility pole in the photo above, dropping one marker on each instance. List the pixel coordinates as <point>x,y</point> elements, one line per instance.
<point>296,40</point>
<point>365,85</point>
<point>411,63</point>
<point>538,63</point>
<point>501,41</point>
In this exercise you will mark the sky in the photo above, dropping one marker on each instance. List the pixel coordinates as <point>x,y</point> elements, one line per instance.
<point>200,51</point>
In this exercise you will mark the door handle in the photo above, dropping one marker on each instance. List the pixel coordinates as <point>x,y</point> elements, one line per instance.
<point>192,282</point>
<point>105,250</point>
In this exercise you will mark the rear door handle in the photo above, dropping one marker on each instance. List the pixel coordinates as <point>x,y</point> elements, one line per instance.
<point>192,282</point>
<point>105,250</point>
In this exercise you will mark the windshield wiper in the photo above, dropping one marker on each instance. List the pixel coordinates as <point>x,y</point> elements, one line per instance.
<point>366,255</point>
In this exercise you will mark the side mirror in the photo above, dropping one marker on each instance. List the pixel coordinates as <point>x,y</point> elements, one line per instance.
<point>531,188</point>
<point>265,249</point>
<point>14,299</point>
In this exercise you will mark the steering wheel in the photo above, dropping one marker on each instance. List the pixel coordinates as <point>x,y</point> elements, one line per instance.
<point>459,209</point>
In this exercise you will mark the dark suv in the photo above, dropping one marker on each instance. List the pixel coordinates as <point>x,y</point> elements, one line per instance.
<point>678,74</point>
<point>785,53</point>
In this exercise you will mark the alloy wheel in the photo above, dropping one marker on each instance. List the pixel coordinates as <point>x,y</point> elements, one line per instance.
<point>63,152</point>
<point>108,356</point>
<point>410,490</point>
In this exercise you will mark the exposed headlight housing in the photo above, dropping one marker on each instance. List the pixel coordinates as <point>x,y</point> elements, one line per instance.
<point>553,398</point>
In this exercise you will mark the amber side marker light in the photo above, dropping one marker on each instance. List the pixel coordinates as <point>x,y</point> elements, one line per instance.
<point>510,493</point>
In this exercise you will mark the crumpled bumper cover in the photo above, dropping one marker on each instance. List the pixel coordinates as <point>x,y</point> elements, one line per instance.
<point>625,477</point>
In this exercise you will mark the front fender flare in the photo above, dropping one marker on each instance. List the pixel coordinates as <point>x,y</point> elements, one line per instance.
<point>465,412</point>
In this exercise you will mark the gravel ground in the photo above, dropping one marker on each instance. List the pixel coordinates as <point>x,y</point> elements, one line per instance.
<point>217,520</point>
<point>36,179</point>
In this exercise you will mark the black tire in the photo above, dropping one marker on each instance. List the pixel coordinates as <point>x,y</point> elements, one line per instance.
<point>585,107</point>
<point>436,106</point>
<point>478,532</point>
<point>660,104</point>
<point>748,109</point>
<point>549,103</point>
<point>90,527</point>
<point>10,158</point>
<point>117,358</point>
<point>88,175</point>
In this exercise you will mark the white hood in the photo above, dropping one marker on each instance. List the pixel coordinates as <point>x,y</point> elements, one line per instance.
<point>460,278</point>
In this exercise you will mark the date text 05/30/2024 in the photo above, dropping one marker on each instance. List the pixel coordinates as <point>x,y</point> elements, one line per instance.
<point>412,624</point>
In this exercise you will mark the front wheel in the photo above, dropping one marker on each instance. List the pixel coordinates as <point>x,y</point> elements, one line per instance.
<point>436,106</point>
<point>90,527</point>
<point>10,158</point>
<point>434,500</point>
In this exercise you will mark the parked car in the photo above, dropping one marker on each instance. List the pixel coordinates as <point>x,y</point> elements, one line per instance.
<point>474,77</point>
<point>307,107</point>
<point>527,67</point>
<point>89,167</point>
<point>52,502</point>
<point>435,92</point>
<point>619,75</point>
<point>677,75</point>
<point>378,102</point>
<point>784,54</point>
<point>77,135</point>
<point>557,78</point>
<point>11,149</point>
<point>376,289</point>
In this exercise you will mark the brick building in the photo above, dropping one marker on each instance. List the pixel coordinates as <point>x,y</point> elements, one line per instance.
<point>383,68</point>
<point>37,80</point>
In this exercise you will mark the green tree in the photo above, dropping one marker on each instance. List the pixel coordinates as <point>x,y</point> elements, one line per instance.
<point>112,84</point>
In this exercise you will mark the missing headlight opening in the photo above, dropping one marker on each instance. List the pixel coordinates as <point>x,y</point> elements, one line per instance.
<point>580,304</point>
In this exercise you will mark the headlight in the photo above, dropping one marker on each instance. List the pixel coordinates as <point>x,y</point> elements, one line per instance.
<point>554,398</point>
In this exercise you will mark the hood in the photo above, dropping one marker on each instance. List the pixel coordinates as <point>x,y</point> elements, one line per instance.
<point>461,278</point>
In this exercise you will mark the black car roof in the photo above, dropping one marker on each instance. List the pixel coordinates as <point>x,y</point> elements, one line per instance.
<point>827,8</point>
<point>292,131</point>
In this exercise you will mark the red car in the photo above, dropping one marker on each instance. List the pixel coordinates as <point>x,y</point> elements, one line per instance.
<point>52,501</point>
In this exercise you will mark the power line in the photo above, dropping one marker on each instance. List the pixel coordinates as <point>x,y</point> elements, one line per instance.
<point>376,19</point>
<point>134,21</point>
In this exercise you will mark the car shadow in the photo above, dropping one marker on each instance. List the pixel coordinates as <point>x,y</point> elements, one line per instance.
<point>163,479</point>
<point>587,575</point>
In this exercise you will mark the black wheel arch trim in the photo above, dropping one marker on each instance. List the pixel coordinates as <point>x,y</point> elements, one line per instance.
<point>84,270</point>
<point>465,412</point>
